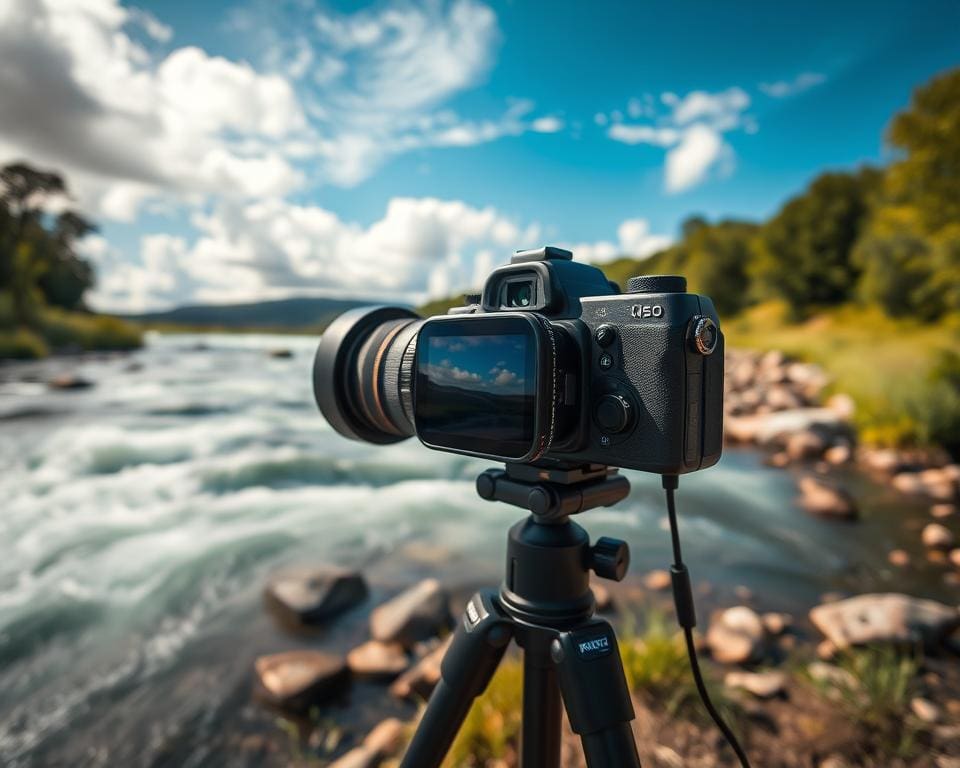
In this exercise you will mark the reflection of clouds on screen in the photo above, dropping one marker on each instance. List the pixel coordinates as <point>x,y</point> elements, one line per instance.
<point>490,363</point>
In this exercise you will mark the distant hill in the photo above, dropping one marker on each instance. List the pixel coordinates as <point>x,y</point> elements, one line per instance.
<point>303,312</point>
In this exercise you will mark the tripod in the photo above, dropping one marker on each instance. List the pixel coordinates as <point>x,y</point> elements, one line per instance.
<point>546,606</point>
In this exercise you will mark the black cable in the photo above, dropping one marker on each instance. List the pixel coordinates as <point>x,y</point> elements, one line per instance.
<point>686,616</point>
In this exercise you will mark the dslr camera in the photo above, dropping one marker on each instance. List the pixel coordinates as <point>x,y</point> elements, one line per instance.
<point>550,363</point>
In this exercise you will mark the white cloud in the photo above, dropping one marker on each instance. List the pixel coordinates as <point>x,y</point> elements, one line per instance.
<point>633,239</point>
<point>691,131</point>
<point>547,125</point>
<point>781,89</point>
<point>688,162</point>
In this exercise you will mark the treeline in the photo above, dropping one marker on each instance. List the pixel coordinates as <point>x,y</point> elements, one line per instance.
<point>888,237</point>
<point>43,279</point>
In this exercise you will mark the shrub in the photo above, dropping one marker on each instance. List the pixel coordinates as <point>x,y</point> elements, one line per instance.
<point>65,330</point>
<point>21,344</point>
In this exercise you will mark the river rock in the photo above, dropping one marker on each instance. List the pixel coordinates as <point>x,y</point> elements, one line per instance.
<point>69,381</point>
<point>736,636</point>
<point>763,685</point>
<point>601,596</point>
<point>422,678</point>
<point>807,444</point>
<point>820,498</point>
<point>377,660</point>
<point>776,623</point>
<point>938,483</point>
<point>823,672</point>
<point>773,428</point>
<point>943,510</point>
<point>899,558</point>
<point>885,618</point>
<point>782,398</point>
<point>311,596</point>
<point>936,536</point>
<point>281,354</point>
<point>954,558</point>
<point>298,680</point>
<point>925,709</point>
<point>843,405</point>
<point>419,613</point>
<point>657,580</point>
<point>382,742</point>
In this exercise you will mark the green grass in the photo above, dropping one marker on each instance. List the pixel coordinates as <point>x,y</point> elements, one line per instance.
<point>885,365</point>
<point>58,330</point>
<point>876,695</point>
<point>21,344</point>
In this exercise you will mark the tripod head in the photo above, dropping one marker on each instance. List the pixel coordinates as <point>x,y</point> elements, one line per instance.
<point>553,491</point>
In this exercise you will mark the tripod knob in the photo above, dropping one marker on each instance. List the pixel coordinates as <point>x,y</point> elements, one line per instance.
<point>610,558</point>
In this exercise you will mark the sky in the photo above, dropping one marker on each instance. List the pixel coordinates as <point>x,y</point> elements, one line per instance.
<point>236,151</point>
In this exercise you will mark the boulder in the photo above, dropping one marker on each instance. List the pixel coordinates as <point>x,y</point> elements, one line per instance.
<point>885,618</point>
<point>936,536</point>
<point>843,405</point>
<point>311,596</point>
<point>822,499</point>
<point>781,398</point>
<point>298,680</point>
<point>937,483</point>
<point>955,558</point>
<point>68,381</point>
<point>776,623</point>
<point>831,674</point>
<point>281,354</point>
<point>924,709</point>
<point>382,742</point>
<point>377,660</point>
<point>736,636</point>
<point>942,511</point>
<point>419,613</point>
<point>422,678</point>
<point>763,685</point>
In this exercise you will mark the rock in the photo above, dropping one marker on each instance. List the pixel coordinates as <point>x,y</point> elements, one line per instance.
<point>899,558</point>
<point>666,757</point>
<point>358,757</point>
<point>843,405</point>
<point>936,536</point>
<point>936,483</point>
<point>771,428</point>
<point>386,738</point>
<point>925,709</point>
<point>743,593</point>
<point>826,650</point>
<point>419,613</point>
<point>657,581</point>
<point>833,761</point>
<point>782,398</point>
<point>947,734</point>
<point>832,674</point>
<point>955,558</point>
<point>807,444</point>
<point>776,623</point>
<point>311,596</point>
<point>779,460</point>
<point>885,618</point>
<point>941,511</point>
<point>281,354</point>
<point>602,596</point>
<point>421,679</point>
<point>821,499</point>
<point>298,680</point>
<point>763,685</point>
<point>377,660</point>
<point>838,454</point>
<point>735,636</point>
<point>69,381</point>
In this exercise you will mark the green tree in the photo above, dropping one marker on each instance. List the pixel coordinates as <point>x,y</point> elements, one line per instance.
<point>715,259</point>
<point>803,254</point>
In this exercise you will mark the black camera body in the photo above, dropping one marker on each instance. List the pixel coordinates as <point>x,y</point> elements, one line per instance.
<point>551,363</point>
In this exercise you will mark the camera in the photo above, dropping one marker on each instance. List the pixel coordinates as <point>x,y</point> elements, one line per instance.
<point>550,363</point>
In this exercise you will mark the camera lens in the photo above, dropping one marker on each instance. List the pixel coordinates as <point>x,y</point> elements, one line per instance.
<point>519,294</point>
<point>362,373</point>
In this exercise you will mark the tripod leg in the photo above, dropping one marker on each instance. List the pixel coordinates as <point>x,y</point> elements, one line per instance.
<point>476,650</point>
<point>540,745</point>
<point>595,694</point>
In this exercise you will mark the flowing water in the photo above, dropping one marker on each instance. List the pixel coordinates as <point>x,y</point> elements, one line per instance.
<point>140,518</point>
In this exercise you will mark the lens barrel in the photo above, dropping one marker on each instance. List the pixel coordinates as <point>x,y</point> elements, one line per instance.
<point>362,373</point>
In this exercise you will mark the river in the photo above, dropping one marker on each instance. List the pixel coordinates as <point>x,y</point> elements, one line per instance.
<point>141,517</point>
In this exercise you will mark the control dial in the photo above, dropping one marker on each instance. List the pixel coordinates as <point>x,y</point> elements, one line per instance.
<point>613,413</point>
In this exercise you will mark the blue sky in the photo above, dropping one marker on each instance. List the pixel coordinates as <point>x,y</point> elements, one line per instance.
<point>256,149</point>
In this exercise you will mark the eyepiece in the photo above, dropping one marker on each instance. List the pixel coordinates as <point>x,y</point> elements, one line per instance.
<point>358,373</point>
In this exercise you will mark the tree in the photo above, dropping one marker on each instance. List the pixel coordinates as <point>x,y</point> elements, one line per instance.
<point>716,259</point>
<point>803,254</point>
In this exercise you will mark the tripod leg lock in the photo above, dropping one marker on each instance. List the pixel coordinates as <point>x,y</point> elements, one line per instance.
<point>478,645</point>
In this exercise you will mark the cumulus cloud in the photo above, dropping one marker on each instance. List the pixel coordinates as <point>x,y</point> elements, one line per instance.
<point>691,130</point>
<point>781,89</point>
<point>633,239</point>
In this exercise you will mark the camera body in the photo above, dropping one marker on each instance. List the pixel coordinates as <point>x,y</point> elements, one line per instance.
<point>551,363</point>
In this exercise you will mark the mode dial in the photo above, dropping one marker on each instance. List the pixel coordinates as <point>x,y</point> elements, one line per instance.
<point>613,413</point>
<point>657,284</point>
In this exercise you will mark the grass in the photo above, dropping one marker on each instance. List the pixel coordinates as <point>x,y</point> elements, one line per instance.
<point>57,330</point>
<point>884,364</point>
<point>21,344</point>
<point>875,694</point>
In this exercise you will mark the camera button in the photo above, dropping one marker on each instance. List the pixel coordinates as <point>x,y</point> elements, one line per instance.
<point>605,335</point>
<point>613,413</point>
<point>606,361</point>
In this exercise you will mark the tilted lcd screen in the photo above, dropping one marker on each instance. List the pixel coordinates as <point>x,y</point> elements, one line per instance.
<point>476,392</point>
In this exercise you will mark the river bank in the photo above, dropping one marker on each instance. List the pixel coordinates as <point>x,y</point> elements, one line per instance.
<point>146,513</point>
